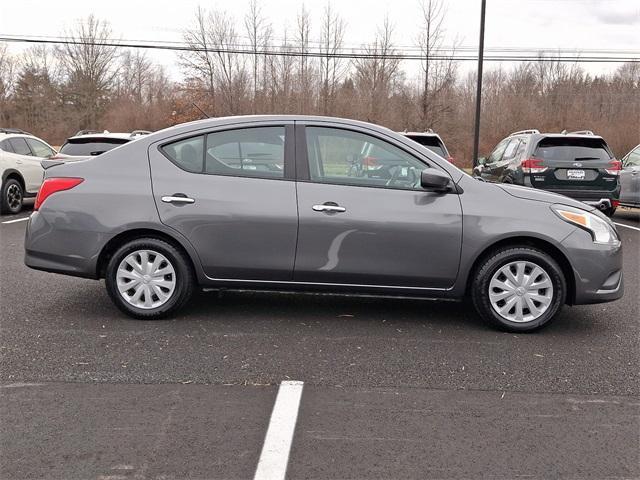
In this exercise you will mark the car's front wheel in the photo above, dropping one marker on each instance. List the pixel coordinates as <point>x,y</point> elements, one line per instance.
<point>148,278</point>
<point>12,196</point>
<point>518,289</point>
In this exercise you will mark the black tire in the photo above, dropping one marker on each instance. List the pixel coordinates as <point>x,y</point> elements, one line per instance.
<point>609,211</point>
<point>12,196</point>
<point>185,281</point>
<point>500,258</point>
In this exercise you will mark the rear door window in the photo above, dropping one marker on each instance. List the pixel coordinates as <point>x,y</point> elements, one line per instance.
<point>496,155</point>
<point>90,146</point>
<point>20,146</point>
<point>511,150</point>
<point>572,149</point>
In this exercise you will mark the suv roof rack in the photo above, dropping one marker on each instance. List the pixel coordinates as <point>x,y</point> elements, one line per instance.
<point>13,130</point>
<point>524,132</point>
<point>88,132</point>
<point>581,132</point>
<point>140,132</point>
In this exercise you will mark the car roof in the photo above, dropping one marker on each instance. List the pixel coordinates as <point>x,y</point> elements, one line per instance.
<point>420,134</point>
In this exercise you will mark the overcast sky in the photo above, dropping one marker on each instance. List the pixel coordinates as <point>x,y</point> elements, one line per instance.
<point>567,24</point>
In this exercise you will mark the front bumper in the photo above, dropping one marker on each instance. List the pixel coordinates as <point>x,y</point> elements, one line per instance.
<point>597,269</point>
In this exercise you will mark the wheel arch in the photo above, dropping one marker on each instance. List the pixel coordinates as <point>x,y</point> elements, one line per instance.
<point>528,241</point>
<point>15,174</point>
<point>145,232</point>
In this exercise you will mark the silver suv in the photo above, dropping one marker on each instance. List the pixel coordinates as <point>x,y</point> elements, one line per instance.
<point>271,202</point>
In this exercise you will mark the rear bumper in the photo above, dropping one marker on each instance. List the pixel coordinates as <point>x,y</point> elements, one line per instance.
<point>51,247</point>
<point>582,195</point>
<point>597,269</point>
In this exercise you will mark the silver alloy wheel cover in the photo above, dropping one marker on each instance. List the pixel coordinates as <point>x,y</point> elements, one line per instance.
<point>520,291</point>
<point>146,279</point>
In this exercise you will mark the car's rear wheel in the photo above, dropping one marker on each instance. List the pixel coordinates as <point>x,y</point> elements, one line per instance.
<point>12,196</point>
<point>518,289</point>
<point>609,211</point>
<point>148,278</point>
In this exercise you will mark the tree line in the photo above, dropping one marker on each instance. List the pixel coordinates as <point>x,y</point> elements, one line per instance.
<point>91,83</point>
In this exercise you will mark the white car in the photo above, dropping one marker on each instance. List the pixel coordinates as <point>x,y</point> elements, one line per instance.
<point>22,174</point>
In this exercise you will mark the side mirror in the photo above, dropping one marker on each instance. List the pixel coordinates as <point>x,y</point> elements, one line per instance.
<point>435,180</point>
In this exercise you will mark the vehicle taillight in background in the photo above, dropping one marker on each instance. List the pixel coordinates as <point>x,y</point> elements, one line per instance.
<point>450,159</point>
<point>53,185</point>
<point>532,165</point>
<point>615,167</point>
<point>369,162</point>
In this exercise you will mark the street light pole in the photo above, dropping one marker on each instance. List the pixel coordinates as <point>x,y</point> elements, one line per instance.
<point>476,135</point>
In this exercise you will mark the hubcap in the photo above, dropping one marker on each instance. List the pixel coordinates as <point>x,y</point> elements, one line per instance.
<point>14,196</point>
<point>520,291</point>
<point>146,279</point>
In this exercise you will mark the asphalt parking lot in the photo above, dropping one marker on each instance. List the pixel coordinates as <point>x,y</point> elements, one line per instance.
<point>392,388</point>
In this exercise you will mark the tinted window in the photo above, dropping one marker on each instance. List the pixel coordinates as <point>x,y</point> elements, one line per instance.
<point>511,150</point>
<point>187,154</point>
<point>90,146</point>
<point>345,157</point>
<point>572,149</point>
<point>496,155</point>
<point>6,146</point>
<point>20,146</point>
<point>633,159</point>
<point>432,143</point>
<point>250,152</point>
<point>40,149</point>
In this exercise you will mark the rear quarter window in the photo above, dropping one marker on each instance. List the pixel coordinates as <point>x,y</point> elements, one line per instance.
<point>572,149</point>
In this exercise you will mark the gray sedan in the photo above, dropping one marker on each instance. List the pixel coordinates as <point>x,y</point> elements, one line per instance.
<point>271,202</point>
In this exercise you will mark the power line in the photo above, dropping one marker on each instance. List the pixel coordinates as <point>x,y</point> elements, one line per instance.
<point>318,54</point>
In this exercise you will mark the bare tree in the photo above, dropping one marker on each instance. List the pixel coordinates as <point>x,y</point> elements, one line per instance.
<point>332,68</point>
<point>375,73</point>
<point>90,67</point>
<point>258,31</point>
<point>303,34</point>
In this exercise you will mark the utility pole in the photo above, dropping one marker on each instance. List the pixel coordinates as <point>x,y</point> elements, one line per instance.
<point>476,135</point>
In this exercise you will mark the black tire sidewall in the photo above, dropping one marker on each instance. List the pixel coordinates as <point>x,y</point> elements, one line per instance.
<point>480,287</point>
<point>184,278</point>
<point>5,189</point>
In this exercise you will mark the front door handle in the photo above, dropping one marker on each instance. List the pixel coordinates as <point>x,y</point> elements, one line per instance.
<point>330,208</point>
<point>177,198</point>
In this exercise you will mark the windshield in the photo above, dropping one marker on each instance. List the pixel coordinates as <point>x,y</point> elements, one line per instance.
<point>90,146</point>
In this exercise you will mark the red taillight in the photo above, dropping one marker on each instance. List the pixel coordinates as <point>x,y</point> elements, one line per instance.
<point>615,167</point>
<point>369,162</point>
<point>450,159</point>
<point>532,165</point>
<point>53,185</point>
<point>615,203</point>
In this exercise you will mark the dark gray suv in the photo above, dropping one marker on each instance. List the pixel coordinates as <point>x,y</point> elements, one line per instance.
<point>579,165</point>
<point>271,202</point>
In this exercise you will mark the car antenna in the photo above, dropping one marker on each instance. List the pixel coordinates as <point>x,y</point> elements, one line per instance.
<point>201,111</point>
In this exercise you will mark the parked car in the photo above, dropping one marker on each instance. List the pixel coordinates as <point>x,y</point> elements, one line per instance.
<point>630,179</point>
<point>88,143</point>
<point>432,141</point>
<point>20,157</point>
<point>579,165</point>
<point>187,207</point>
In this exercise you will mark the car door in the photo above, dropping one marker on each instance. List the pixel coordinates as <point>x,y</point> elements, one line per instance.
<point>490,168</point>
<point>630,178</point>
<point>231,193</point>
<point>28,165</point>
<point>370,231</point>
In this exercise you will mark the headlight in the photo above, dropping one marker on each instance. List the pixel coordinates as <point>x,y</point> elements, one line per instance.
<point>601,231</point>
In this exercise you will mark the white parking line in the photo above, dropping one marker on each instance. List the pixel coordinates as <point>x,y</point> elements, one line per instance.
<point>627,226</point>
<point>16,220</point>
<point>277,443</point>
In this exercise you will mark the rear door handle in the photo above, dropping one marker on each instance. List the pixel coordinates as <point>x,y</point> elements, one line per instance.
<point>328,208</point>
<point>177,198</point>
